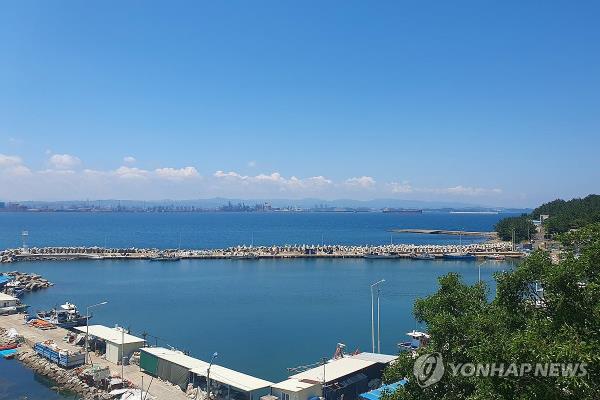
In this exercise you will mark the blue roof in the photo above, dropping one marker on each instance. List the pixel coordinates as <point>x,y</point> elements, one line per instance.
<point>5,278</point>
<point>377,393</point>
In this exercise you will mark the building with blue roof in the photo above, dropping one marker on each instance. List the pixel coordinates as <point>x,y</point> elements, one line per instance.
<point>377,393</point>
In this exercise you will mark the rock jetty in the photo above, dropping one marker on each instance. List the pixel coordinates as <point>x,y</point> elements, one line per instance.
<point>238,252</point>
<point>22,282</point>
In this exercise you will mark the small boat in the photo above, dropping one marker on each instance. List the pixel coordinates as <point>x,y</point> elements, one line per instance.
<point>422,256</point>
<point>165,257</point>
<point>8,346</point>
<point>497,257</point>
<point>250,256</point>
<point>67,316</point>
<point>459,256</point>
<point>418,340</point>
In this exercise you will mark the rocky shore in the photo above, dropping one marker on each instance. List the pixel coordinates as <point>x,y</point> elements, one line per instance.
<point>66,379</point>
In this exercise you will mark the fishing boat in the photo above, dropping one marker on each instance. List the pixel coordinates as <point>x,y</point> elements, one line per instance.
<point>459,256</point>
<point>422,256</point>
<point>66,316</point>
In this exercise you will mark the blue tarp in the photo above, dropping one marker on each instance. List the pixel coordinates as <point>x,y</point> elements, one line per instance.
<point>4,279</point>
<point>376,394</point>
<point>4,353</point>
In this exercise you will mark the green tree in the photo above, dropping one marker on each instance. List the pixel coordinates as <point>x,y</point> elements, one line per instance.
<point>523,227</point>
<point>520,325</point>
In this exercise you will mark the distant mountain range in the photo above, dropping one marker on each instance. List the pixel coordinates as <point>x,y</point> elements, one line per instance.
<point>305,203</point>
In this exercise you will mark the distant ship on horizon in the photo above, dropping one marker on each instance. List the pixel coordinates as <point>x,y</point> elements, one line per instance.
<point>403,210</point>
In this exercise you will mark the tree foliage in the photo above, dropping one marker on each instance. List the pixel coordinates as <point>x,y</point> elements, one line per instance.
<point>518,326</point>
<point>565,215</point>
<point>523,227</point>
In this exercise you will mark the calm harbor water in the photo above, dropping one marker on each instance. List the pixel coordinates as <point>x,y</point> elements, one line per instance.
<point>262,316</point>
<point>17,382</point>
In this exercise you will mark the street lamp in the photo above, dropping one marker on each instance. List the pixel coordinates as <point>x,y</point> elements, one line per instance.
<point>215,355</point>
<point>87,328</point>
<point>373,316</point>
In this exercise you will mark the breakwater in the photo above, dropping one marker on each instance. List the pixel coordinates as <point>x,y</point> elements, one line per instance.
<point>254,252</point>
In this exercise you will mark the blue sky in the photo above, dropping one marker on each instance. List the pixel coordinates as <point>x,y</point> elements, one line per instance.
<point>485,102</point>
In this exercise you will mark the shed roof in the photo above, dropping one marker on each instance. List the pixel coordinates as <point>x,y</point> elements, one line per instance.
<point>239,380</point>
<point>112,335</point>
<point>218,373</point>
<point>334,369</point>
<point>294,385</point>
<point>176,357</point>
<point>6,297</point>
<point>379,358</point>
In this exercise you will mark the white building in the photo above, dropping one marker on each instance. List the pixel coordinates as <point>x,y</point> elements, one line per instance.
<point>8,304</point>
<point>118,343</point>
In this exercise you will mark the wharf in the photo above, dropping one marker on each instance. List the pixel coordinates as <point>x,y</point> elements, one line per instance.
<point>159,389</point>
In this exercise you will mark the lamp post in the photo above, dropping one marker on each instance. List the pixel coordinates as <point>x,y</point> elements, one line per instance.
<point>215,355</point>
<point>87,328</point>
<point>373,314</point>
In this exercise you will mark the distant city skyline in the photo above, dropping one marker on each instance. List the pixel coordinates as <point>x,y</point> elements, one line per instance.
<point>470,102</point>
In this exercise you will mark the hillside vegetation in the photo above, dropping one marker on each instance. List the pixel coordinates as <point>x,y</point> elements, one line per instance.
<point>564,215</point>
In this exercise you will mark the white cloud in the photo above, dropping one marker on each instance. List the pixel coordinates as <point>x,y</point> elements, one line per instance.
<point>125,172</point>
<point>12,166</point>
<point>363,182</point>
<point>129,160</point>
<point>64,161</point>
<point>9,161</point>
<point>177,174</point>
<point>397,187</point>
<point>63,180</point>
<point>230,174</point>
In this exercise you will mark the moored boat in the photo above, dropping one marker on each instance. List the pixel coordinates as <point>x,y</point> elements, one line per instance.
<point>459,256</point>
<point>165,257</point>
<point>497,257</point>
<point>422,256</point>
<point>66,316</point>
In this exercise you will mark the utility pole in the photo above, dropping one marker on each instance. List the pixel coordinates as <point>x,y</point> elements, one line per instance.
<point>373,314</point>
<point>87,328</point>
<point>378,323</point>
<point>123,354</point>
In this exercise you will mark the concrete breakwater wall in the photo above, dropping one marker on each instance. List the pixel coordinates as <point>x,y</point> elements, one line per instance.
<point>240,252</point>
